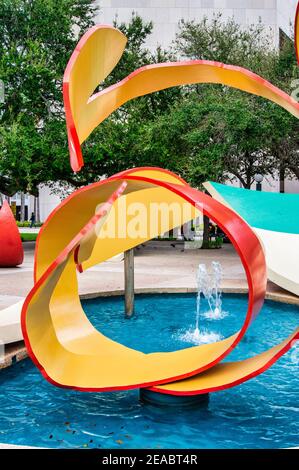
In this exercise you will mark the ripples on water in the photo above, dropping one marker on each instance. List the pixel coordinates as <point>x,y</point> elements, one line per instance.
<point>262,413</point>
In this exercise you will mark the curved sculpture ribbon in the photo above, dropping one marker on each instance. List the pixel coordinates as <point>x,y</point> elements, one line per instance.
<point>99,51</point>
<point>60,339</point>
<point>278,230</point>
<point>67,347</point>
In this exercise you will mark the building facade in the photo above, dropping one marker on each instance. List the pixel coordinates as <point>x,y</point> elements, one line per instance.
<point>42,206</point>
<point>286,11</point>
<point>166,14</point>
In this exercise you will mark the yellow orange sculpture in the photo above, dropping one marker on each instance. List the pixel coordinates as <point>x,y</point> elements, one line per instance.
<point>60,339</point>
<point>99,51</point>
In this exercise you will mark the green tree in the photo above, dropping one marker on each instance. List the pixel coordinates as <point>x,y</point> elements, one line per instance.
<point>34,57</point>
<point>215,137</point>
<point>261,136</point>
<point>225,41</point>
<point>116,144</point>
<point>214,133</point>
<point>37,38</point>
<point>284,144</point>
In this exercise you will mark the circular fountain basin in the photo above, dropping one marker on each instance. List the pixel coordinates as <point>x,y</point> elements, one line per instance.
<point>261,413</point>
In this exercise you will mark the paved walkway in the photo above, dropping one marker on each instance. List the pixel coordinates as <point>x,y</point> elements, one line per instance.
<point>157,265</point>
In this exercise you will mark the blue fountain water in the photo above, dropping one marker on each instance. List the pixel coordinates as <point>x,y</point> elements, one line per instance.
<point>262,413</point>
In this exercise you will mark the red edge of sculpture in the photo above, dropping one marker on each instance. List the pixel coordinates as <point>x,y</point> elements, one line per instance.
<point>76,157</point>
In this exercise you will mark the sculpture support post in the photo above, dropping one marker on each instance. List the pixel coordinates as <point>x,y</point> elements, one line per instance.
<point>129,282</point>
<point>177,401</point>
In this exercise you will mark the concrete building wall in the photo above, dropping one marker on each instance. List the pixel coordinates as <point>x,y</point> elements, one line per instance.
<point>286,10</point>
<point>47,202</point>
<point>166,14</point>
<point>271,185</point>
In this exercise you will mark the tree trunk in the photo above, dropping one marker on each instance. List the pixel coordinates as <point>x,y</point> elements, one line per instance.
<point>206,223</point>
<point>129,282</point>
<point>22,212</point>
<point>36,209</point>
<point>249,170</point>
<point>248,180</point>
<point>281,179</point>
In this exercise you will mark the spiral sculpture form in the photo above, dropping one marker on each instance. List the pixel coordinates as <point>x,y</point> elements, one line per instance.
<point>60,339</point>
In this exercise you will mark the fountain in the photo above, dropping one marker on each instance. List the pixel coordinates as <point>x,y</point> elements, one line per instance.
<point>208,286</point>
<point>218,274</point>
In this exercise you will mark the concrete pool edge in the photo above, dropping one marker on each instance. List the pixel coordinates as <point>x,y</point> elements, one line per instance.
<point>276,296</point>
<point>16,446</point>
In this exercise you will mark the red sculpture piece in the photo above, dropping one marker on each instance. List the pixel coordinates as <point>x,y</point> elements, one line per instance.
<point>11,249</point>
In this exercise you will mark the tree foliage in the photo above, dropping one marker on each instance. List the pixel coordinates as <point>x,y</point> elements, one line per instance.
<point>224,41</point>
<point>207,131</point>
<point>115,145</point>
<point>202,132</point>
<point>246,134</point>
<point>37,38</point>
